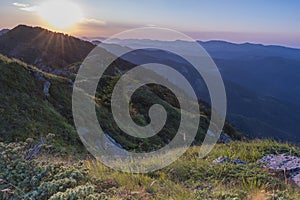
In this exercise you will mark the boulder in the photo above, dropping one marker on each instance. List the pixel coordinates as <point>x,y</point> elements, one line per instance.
<point>281,162</point>
<point>47,85</point>
<point>285,163</point>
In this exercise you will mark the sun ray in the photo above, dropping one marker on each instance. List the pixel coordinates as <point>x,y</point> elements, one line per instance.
<point>49,42</point>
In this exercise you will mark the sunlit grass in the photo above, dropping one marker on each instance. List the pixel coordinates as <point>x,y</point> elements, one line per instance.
<point>191,177</point>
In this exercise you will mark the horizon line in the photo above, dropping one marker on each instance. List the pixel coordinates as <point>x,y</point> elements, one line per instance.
<point>101,38</point>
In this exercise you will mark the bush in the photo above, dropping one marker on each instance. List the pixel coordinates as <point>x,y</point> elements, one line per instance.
<point>22,178</point>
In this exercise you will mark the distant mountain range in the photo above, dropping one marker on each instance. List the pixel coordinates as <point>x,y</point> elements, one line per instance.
<point>262,82</point>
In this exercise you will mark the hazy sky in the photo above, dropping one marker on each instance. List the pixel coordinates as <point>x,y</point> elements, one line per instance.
<point>258,21</point>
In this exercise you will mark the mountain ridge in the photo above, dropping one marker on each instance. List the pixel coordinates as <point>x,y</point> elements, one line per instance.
<point>253,79</point>
<point>43,48</point>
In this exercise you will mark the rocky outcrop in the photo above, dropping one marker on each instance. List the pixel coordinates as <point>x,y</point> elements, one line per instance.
<point>47,85</point>
<point>288,164</point>
<point>58,72</point>
<point>39,76</point>
<point>281,162</point>
<point>295,176</point>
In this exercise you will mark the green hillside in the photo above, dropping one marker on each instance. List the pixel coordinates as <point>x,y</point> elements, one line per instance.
<point>26,111</point>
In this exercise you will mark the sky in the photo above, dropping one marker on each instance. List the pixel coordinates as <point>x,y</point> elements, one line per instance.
<point>274,22</point>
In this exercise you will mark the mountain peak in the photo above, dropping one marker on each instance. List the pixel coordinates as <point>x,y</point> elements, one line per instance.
<point>41,47</point>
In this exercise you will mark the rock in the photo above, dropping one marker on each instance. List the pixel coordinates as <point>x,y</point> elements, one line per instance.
<point>240,162</point>
<point>38,75</point>
<point>113,141</point>
<point>70,82</point>
<point>110,144</point>
<point>224,139</point>
<point>57,72</point>
<point>286,163</point>
<point>222,159</point>
<point>295,176</point>
<point>47,85</point>
<point>281,162</point>
<point>45,68</point>
<point>225,159</point>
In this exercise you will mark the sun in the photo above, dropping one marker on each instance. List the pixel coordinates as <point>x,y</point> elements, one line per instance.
<point>60,14</point>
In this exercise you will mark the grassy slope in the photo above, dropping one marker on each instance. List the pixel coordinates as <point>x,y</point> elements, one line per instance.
<point>187,178</point>
<point>27,112</point>
<point>24,110</point>
<point>193,178</point>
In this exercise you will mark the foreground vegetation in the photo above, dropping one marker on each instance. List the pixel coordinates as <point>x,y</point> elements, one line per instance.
<point>50,176</point>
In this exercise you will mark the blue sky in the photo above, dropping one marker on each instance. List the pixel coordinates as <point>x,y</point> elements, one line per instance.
<point>258,21</point>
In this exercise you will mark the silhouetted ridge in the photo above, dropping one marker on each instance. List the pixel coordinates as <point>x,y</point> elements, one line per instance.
<point>43,48</point>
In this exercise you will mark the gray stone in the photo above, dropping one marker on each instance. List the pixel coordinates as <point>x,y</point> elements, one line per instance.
<point>239,162</point>
<point>224,139</point>
<point>70,81</point>
<point>295,176</point>
<point>222,159</point>
<point>281,162</point>
<point>286,163</point>
<point>47,85</point>
<point>38,76</point>
<point>225,159</point>
<point>57,72</point>
<point>45,68</point>
<point>109,143</point>
<point>113,141</point>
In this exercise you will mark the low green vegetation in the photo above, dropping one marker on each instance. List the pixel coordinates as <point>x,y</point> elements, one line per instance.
<point>49,176</point>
